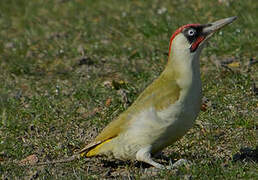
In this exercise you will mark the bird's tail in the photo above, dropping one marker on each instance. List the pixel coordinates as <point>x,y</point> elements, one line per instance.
<point>95,150</point>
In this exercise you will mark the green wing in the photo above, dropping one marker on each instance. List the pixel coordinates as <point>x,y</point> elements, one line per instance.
<point>163,92</point>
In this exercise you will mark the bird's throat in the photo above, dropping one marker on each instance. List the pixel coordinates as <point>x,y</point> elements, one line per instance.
<point>184,67</point>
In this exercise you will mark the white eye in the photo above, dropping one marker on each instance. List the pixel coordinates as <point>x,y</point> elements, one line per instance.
<point>191,32</point>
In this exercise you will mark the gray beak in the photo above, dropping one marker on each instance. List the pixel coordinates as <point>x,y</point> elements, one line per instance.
<point>209,29</point>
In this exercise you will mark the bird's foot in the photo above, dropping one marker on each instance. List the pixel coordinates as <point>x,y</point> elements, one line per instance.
<point>177,164</point>
<point>144,155</point>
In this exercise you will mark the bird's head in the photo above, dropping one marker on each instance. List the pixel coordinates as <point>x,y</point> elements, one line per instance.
<point>188,40</point>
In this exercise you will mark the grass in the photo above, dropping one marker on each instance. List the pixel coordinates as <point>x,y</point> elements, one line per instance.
<point>62,63</point>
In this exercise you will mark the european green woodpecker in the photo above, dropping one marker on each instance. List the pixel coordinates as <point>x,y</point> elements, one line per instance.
<point>166,109</point>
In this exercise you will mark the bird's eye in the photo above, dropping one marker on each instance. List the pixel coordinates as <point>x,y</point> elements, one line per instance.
<point>191,32</point>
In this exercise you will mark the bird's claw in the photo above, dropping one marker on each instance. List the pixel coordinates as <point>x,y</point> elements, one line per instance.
<point>177,164</point>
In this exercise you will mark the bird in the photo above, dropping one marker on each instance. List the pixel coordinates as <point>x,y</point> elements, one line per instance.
<point>165,110</point>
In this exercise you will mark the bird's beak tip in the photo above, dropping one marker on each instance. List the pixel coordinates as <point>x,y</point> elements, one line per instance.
<point>215,26</point>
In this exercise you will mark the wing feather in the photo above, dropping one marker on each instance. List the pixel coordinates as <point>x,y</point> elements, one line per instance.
<point>160,94</point>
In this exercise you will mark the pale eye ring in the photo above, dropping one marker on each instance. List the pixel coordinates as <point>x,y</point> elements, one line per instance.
<point>191,32</point>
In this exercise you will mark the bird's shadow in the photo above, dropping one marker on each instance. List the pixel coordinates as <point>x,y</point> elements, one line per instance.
<point>114,164</point>
<point>160,158</point>
<point>246,154</point>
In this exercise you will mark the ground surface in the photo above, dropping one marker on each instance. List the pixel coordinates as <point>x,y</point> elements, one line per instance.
<point>68,67</point>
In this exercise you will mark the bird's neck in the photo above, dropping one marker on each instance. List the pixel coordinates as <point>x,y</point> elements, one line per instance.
<point>184,67</point>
